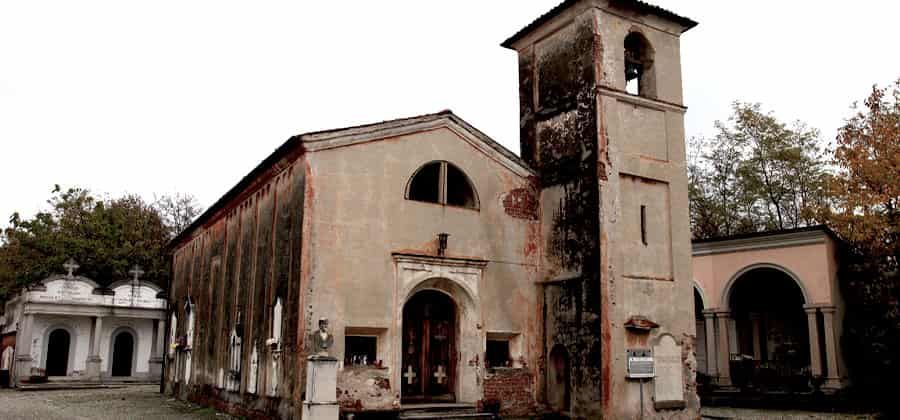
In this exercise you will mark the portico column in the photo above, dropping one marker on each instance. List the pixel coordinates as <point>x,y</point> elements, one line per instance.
<point>93,360</point>
<point>757,341</point>
<point>724,354</point>
<point>815,355</point>
<point>710,318</point>
<point>156,350</point>
<point>833,378</point>
<point>24,337</point>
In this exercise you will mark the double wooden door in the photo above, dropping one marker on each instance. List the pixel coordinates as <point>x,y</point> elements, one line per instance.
<point>429,352</point>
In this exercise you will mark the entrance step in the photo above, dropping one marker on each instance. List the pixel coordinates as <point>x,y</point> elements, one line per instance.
<point>451,411</point>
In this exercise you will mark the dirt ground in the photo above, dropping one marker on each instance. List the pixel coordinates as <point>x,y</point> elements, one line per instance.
<point>132,402</point>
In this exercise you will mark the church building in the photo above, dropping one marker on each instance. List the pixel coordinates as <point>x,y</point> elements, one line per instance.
<point>451,270</point>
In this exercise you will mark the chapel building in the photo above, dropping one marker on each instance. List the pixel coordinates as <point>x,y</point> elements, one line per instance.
<point>451,270</point>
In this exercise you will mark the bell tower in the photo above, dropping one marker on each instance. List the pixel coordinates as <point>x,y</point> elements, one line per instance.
<point>601,117</point>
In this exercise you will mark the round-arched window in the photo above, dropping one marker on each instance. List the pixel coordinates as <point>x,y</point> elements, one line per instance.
<point>441,182</point>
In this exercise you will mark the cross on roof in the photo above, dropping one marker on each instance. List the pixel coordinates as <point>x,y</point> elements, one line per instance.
<point>136,271</point>
<point>70,265</point>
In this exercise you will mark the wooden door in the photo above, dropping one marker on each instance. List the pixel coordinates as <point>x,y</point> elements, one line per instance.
<point>429,352</point>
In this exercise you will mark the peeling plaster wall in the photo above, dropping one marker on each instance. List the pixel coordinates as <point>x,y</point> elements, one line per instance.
<point>232,270</point>
<point>360,217</point>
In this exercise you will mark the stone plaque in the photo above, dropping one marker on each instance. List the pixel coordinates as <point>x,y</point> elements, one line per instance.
<point>669,382</point>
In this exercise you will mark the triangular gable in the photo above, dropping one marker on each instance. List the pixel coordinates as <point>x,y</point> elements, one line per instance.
<point>343,137</point>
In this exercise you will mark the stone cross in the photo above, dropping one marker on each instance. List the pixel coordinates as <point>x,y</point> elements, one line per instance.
<point>70,265</point>
<point>136,271</point>
<point>409,375</point>
<point>440,375</point>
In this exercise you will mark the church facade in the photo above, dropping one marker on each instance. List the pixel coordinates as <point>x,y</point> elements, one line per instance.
<point>451,270</point>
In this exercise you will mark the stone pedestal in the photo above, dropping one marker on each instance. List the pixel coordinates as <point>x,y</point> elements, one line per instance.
<point>321,389</point>
<point>156,368</point>
<point>92,366</point>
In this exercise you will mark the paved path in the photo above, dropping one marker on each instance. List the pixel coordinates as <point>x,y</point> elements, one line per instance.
<point>717,413</point>
<point>132,402</point>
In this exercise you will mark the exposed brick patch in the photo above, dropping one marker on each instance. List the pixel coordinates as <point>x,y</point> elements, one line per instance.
<point>521,203</point>
<point>513,388</point>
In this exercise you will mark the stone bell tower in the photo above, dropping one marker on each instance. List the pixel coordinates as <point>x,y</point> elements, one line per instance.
<point>602,122</point>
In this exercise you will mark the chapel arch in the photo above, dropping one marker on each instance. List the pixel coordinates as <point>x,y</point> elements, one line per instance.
<point>766,306</point>
<point>58,351</point>
<point>123,352</point>
<point>640,75</point>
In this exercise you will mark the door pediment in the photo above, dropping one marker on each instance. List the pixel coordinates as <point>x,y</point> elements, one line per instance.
<point>414,269</point>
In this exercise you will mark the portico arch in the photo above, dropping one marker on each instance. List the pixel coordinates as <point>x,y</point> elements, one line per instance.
<point>122,352</point>
<point>729,286</point>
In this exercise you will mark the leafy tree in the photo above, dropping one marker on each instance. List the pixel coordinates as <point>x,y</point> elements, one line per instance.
<point>866,191</point>
<point>757,173</point>
<point>105,236</point>
<point>865,195</point>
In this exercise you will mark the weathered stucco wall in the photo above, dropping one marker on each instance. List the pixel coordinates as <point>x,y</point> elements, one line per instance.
<point>359,217</point>
<point>233,270</point>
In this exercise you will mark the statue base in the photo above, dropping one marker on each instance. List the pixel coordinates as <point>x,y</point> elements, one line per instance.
<point>321,388</point>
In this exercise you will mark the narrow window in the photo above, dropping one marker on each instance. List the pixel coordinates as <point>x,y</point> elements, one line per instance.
<point>360,350</point>
<point>639,76</point>
<point>644,224</point>
<point>497,353</point>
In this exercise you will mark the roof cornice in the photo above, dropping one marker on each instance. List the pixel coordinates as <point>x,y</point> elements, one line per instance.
<point>776,240</point>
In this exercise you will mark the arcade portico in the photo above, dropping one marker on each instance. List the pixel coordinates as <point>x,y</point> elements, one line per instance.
<point>769,310</point>
<point>67,327</point>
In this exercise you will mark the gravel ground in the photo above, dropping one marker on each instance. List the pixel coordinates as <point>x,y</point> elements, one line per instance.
<point>716,413</point>
<point>132,402</point>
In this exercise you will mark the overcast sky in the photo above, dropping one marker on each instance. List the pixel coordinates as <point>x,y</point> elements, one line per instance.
<point>188,96</point>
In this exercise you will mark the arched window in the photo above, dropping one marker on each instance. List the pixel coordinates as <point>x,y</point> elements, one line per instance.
<point>441,182</point>
<point>639,75</point>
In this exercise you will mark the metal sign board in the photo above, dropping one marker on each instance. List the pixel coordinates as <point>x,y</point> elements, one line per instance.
<point>640,364</point>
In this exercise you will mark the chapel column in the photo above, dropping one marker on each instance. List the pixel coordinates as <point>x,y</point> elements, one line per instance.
<point>24,337</point>
<point>757,339</point>
<point>710,318</point>
<point>724,355</point>
<point>815,355</point>
<point>156,350</point>
<point>93,359</point>
<point>833,378</point>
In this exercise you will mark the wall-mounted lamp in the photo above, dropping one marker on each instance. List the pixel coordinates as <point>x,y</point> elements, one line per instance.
<point>442,243</point>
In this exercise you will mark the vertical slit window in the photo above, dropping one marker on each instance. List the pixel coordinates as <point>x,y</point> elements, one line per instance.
<point>644,224</point>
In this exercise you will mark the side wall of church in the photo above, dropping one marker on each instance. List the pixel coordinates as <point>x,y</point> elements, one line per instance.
<point>359,216</point>
<point>228,277</point>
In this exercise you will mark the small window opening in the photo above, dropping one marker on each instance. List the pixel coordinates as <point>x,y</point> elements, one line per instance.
<point>644,224</point>
<point>425,186</point>
<point>442,183</point>
<point>639,77</point>
<point>459,193</point>
<point>497,353</point>
<point>360,350</point>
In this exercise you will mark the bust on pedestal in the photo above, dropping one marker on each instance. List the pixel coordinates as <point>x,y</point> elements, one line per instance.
<point>321,377</point>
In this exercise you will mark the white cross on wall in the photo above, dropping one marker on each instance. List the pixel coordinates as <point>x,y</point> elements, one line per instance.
<point>70,265</point>
<point>409,375</point>
<point>440,375</point>
<point>136,271</point>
